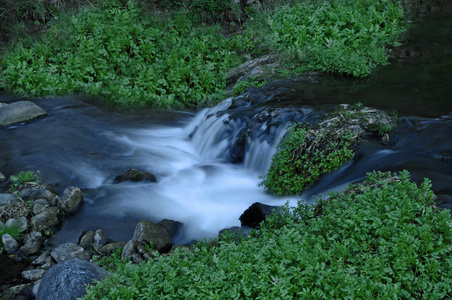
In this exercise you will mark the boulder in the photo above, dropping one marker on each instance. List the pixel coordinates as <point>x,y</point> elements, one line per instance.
<point>135,176</point>
<point>69,251</point>
<point>39,207</point>
<point>21,224</point>
<point>255,214</point>
<point>51,217</point>
<point>20,112</point>
<point>86,239</point>
<point>32,243</point>
<point>6,198</point>
<point>100,239</point>
<point>41,259</point>
<point>33,275</point>
<point>72,201</point>
<point>170,226</point>
<point>9,243</point>
<point>129,249</point>
<point>147,232</point>
<point>110,247</point>
<point>67,280</point>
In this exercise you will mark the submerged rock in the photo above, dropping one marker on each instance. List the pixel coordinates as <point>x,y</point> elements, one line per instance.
<point>19,112</point>
<point>67,280</point>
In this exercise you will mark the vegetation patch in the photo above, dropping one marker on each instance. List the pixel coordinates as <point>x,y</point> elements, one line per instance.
<point>379,240</point>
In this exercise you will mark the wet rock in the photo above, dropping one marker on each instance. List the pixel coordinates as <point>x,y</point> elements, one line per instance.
<point>69,251</point>
<point>129,249</point>
<point>236,73</point>
<point>36,287</point>
<point>41,259</point>
<point>67,280</point>
<point>39,207</point>
<point>110,247</point>
<point>100,239</point>
<point>51,218</point>
<point>33,275</point>
<point>2,177</point>
<point>6,198</point>
<point>9,243</point>
<point>20,112</point>
<point>255,214</point>
<point>86,239</point>
<point>72,200</point>
<point>170,226</point>
<point>21,224</point>
<point>147,232</point>
<point>135,176</point>
<point>32,243</point>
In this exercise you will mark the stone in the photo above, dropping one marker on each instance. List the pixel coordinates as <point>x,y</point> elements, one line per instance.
<point>69,251</point>
<point>100,239</point>
<point>170,226</point>
<point>72,201</point>
<point>129,249</point>
<point>2,177</point>
<point>36,287</point>
<point>32,243</point>
<point>86,239</point>
<point>41,259</point>
<point>110,247</point>
<point>47,265</point>
<point>7,198</point>
<point>50,218</point>
<point>67,280</point>
<point>255,214</point>
<point>135,176</point>
<point>19,291</point>
<point>39,208</point>
<point>21,224</point>
<point>33,275</point>
<point>147,232</point>
<point>20,112</point>
<point>9,244</point>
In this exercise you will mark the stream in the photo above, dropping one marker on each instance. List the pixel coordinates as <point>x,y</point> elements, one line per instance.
<point>86,144</point>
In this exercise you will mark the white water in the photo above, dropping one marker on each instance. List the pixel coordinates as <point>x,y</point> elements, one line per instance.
<point>196,186</point>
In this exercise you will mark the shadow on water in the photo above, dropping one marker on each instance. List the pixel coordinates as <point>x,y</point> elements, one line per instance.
<point>81,143</point>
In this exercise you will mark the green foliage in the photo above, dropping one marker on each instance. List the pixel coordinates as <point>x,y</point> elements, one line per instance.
<point>378,240</point>
<point>216,11</point>
<point>22,179</point>
<point>304,156</point>
<point>13,231</point>
<point>339,36</point>
<point>244,85</point>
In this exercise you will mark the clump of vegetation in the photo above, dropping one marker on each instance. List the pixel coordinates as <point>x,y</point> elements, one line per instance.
<point>24,179</point>
<point>305,155</point>
<point>13,231</point>
<point>378,240</point>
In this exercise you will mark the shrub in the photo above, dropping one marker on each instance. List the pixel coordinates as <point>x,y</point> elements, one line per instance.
<point>379,240</point>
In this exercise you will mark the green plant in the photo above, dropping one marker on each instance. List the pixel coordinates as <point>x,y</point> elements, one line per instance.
<point>305,155</point>
<point>22,179</point>
<point>395,113</point>
<point>245,85</point>
<point>13,230</point>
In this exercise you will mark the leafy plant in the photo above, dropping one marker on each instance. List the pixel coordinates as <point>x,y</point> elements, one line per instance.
<point>23,178</point>
<point>305,155</point>
<point>244,85</point>
<point>13,230</point>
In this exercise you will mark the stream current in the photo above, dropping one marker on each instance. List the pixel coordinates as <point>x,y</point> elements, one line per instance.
<point>82,143</point>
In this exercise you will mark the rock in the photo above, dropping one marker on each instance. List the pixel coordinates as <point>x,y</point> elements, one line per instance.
<point>7,198</point>
<point>69,251</point>
<point>9,243</point>
<point>20,112</point>
<point>170,226</point>
<point>21,224</point>
<point>41,258</point>
<point>36,287</point>
<point>147,232</point>
<point>22,291</point>
<point>50,218</point>
<point>33,274</point>
<point>2,177</point>
<point>255,214</point>
<point>72,201</point>
<point>86,239</point>
<point>32,243</point>
<point>135,176</point>
<point>47,265</point>
<point>67,280</point>
<point>100,239</point>
<point>110,247</point>
<point>39,207</point>
<point>241,71</point>
<point>129,249</point>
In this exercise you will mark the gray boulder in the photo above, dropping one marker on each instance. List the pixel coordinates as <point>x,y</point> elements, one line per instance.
<point>67,280</point>
<point>147,232</point>
<point>72,200</point>
<point>129,249</point>
<point>20,112</point>
<point>50,217</point>
<point>86,239</point>
<point>9,243</point>
<point>6,198</point>
<point>69,251</point>
<point>32,243</point>
<point>33,275</point>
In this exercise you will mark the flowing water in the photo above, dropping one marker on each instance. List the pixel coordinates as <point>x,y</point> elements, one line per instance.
<point>81,143</point>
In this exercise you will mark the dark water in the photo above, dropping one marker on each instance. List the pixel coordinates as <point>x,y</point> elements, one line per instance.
<point>81,143</point>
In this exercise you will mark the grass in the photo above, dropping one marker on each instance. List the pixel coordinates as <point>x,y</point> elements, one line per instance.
<point>382,239</point>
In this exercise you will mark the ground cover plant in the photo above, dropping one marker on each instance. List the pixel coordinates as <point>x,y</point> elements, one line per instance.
<point>133,56</point>
<point>383,239</point>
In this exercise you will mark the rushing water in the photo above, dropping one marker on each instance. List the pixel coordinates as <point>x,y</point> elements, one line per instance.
<point>87,145</point>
